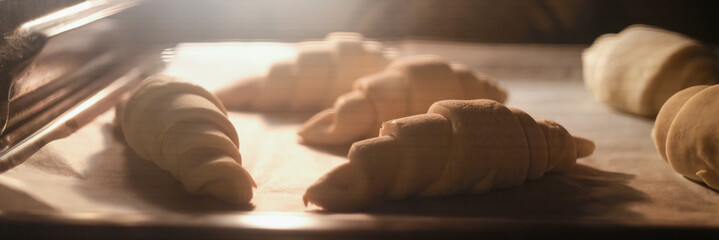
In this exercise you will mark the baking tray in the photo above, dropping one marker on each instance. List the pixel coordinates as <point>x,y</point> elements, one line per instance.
<point>624,190</point>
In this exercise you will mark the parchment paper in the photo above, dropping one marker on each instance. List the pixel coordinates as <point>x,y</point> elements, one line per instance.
<point>625,181</point>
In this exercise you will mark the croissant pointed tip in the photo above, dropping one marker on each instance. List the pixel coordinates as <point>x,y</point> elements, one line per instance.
<point>222,178</point>
<point>249,177</point>
<point>503,95</point>
<point>338,191</point>
<point>709,178</point>
<point>585,147</point>
<point>317,129</point>
<point>351,119</point>
<point>227,192</point>
<point>240,96</point>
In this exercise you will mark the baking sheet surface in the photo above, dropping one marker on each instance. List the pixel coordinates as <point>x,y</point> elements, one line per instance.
<point>625,181</point>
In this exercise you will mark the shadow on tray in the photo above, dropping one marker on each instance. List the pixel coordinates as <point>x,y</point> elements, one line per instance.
<point>581,192</point>
<point>121,177</point>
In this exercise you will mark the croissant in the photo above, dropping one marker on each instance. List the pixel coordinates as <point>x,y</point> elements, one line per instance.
<point>686,135</point>
<point>638,69</point>
<point>183,129</point>
<point>457,147</point>
<point>408,86</point>
<point>321,71</point>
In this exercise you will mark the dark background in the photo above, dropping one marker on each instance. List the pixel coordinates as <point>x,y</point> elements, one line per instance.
<point>490,21</point>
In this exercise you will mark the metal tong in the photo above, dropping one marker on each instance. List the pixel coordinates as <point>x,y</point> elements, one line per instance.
<point>60,71</point>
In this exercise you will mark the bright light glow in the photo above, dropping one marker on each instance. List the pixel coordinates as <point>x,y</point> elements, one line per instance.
<point>225,62</point>
<point>279,221</point>
<point>168,55</point>
<point>77,15</point>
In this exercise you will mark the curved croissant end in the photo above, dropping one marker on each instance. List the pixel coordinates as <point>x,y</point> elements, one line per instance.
<point>320,72</point>
<point>242,93</point>
<point>183,129</point>
<point>352,186</point>
<point>686,135</point>
<point>585,147</point>
<point>458,147</point>
<point>322,128</point>
<point>407,87</point>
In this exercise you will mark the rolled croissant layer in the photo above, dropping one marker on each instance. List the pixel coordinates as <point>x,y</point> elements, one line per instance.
<point>319,73</point>
<point>638,69</point>
<point>183,129</point>
<point>408,86</point>
<point>457,147</point>
<point>686,135</point>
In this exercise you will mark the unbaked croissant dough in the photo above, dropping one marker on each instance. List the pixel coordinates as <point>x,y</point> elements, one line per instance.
<point>638,69</point>
<point>321,71</point>
<point>686,133</point>
<point>408,86</point>
<point>184,129</point>
<point>458,147</point>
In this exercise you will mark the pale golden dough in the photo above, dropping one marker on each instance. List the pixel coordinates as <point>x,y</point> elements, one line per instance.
<point>686,133</point>
<point>537,144</point>
<point>408,86</point>
<point>638,69</point>
<point>457,147</point>
<point>319,73</point>
<point>183,129</point>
